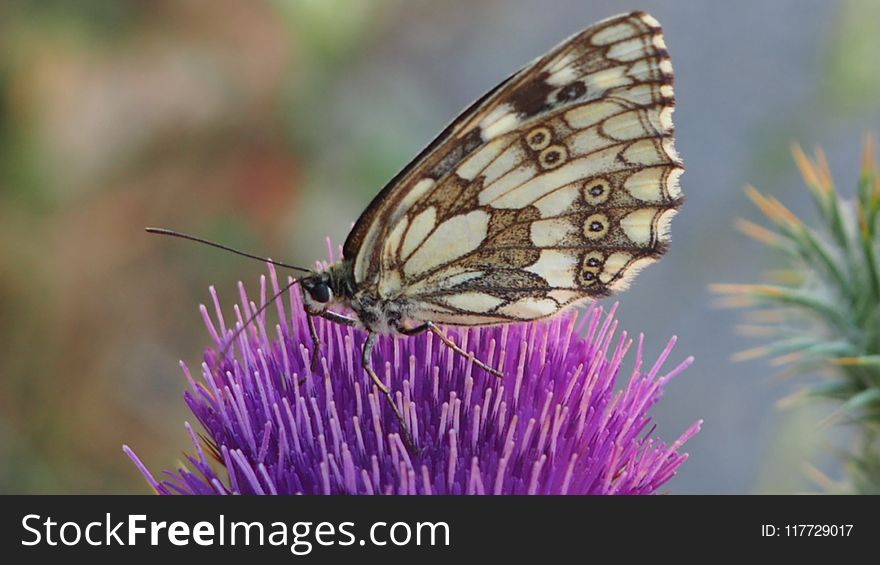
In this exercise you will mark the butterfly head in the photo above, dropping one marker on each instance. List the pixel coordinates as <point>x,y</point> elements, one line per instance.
<point>325,288</point>
<point>317,292</point>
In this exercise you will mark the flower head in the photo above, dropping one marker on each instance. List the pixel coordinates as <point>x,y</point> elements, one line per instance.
<point>555,424</point>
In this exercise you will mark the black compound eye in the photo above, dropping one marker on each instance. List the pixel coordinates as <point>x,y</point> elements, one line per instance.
<point>320,292</point>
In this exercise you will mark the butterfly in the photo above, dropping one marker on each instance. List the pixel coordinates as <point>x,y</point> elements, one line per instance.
<point>554,188</point>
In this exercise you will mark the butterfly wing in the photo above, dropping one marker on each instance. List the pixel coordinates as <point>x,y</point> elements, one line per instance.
<point>556,186</point>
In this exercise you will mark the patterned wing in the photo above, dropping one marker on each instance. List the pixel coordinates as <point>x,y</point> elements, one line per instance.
<point>555,187</point>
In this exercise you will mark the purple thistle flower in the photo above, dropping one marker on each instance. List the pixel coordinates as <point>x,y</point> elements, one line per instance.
<point>554,425</point>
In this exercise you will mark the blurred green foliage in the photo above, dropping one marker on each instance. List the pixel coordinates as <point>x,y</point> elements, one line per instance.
<point>851,80</point>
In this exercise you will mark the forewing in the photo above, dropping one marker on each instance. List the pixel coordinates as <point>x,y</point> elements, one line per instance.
<point>557,186</point>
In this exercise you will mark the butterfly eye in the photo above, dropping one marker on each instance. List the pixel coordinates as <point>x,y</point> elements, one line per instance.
<point>320,292</point>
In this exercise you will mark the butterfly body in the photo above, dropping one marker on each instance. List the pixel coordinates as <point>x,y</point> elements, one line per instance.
<point>336,286</point>
<point>554,188</point>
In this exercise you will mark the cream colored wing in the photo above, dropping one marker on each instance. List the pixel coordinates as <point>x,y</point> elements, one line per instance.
<point>559,186</point>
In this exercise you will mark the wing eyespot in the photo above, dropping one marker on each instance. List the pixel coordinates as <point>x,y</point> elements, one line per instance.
<point>539,138</point>
<point>591,267</point>
<point>596,226</point>
<point>553,156</point>
<point>596,192</point>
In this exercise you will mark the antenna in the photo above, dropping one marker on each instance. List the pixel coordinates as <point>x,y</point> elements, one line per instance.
<point>181,235</point>
<point>230,340</point>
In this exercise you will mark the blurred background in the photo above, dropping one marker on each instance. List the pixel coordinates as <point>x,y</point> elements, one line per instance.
<point>270,125</point>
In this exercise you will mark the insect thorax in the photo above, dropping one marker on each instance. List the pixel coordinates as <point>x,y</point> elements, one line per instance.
<point>378,314</point>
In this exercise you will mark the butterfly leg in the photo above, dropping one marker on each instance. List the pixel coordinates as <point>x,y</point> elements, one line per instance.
<point>316,341</point>
<point>451,344</point>
<point>367,364</point>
